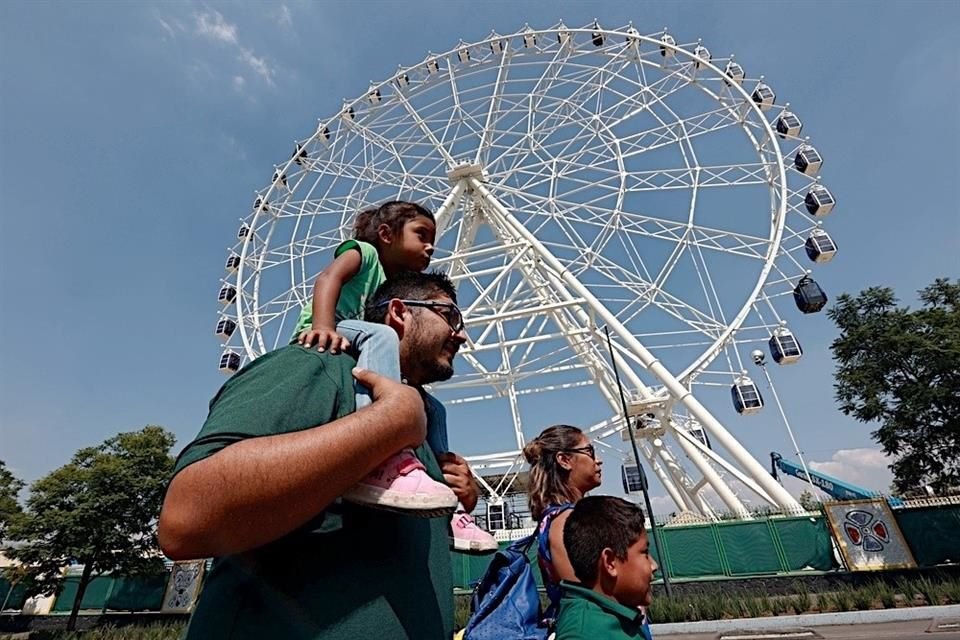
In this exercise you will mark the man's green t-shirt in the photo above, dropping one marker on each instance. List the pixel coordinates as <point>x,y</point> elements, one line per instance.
<point>352,572</point>
<point>587,615</point>
<point>355,292</point>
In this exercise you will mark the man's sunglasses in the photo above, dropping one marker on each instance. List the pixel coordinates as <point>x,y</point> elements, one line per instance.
<point>587,451</point>
<point>448,310</point>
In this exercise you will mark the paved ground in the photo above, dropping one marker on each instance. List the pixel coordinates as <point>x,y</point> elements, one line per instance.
<point>909,630</point>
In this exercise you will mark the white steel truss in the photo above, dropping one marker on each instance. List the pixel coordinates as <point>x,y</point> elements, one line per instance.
<point>576,188</point>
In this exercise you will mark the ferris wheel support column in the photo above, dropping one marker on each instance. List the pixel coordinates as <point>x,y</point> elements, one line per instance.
<point>676,473</point>
<point>442,215</point>
<point>652,364</point>
<point>663,474</point>
<point>709,473</point>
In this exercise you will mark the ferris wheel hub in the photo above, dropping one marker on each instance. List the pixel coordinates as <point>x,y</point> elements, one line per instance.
<point>463,170</point>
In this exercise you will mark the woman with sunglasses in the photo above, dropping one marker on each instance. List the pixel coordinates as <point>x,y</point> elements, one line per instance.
<point>563,468</point>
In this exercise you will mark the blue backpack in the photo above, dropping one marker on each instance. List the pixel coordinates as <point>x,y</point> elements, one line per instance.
<point>506,604</point>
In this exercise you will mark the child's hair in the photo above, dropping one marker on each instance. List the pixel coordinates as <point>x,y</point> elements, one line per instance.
<point>598,523</point>
<point>548,480</point>
<point>394,214</point>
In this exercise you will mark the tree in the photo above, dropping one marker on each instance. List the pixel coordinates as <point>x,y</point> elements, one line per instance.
<point>809,501</point>
<point>100,510</point>
<point>900,368</point>
<point>10,510</point>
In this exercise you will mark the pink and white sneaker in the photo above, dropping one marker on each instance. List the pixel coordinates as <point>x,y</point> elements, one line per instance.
<point>468,537</point>
<point>402,484</point>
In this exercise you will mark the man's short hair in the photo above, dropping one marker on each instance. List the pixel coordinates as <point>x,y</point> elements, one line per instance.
<point>598,523</point>
<point>408,285</point>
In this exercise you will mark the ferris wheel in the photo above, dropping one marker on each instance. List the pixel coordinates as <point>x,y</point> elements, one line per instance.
<point>584,180</point>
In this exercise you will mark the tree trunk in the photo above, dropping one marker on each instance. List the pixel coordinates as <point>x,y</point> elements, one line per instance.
<point>81,589</point>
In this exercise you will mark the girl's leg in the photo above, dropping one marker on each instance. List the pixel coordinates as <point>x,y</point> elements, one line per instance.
<point>401,482</point>
<point>376,348</point>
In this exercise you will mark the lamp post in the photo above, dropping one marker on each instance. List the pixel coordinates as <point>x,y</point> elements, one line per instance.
<point>760,359</point>
<point>640,472</point>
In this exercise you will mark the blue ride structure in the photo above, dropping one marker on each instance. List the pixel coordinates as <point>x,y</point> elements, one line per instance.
<point>833,487</point>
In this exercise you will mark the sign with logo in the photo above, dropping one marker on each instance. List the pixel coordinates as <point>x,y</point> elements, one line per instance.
<point>183,586</point>
<point>868,535</point>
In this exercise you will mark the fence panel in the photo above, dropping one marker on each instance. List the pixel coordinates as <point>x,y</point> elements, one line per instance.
<point>749,547</point>
<point>806,543</point>
<point>692,551</point>
<point>138,594</point>
<point>93,598</point>
<point>12,597</point>
<point>933,533</point>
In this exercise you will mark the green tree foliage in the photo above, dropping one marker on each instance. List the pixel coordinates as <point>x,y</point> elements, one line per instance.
<point>100,510</point>
<point>901,368</point>
<point>809,501</point>
<point>10,510</point>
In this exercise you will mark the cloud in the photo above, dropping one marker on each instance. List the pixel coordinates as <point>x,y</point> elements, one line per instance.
<point>866,468</point>
<point>212,25</point>
<point>171,26</point>
<point>239,82</point>
<point>662,505</point>
<point>863,467</point>
<point>166,27</point>
<point>285,19</point>
<point>258,65</point>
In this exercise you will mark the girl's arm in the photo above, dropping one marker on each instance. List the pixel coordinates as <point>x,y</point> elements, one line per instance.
<point>326,292</point>
<point>561,562</point>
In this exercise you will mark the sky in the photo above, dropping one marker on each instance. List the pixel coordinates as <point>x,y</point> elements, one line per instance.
<point>134,135</point>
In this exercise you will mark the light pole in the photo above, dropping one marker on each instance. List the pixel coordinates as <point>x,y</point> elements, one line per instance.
<point>640,472</point>
<point>760,359</point>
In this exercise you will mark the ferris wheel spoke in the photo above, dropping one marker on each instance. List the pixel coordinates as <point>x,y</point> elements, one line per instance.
<point>545,84</point>
<point>440,149</point>
<point>496,100</point>
<point>676,132</point>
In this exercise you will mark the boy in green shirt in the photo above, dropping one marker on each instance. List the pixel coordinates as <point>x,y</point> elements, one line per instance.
<point>607,546</point>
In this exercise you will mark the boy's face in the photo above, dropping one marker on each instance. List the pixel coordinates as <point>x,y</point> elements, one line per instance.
<point>633,575</point>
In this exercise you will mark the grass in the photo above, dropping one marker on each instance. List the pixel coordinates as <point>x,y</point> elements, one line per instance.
<point>156,631</point>
<point>877,594</point>
<point>802,602</point>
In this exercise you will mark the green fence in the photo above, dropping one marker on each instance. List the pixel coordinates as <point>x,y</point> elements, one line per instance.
<point>113,593</point>
<point>12,596</point>
<point>932,532</point>
<point>734,548</point>
<point>744,548</point>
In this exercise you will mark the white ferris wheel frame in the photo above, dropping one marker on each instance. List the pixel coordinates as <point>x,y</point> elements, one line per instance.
<point>578,313</point>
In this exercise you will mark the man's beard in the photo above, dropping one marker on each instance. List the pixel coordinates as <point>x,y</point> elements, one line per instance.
<point>434,371</point>
<point>431,369</point>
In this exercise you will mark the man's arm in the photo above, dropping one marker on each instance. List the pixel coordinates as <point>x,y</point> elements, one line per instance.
<point>259,489</point>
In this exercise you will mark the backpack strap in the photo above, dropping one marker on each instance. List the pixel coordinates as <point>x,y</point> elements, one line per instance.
<point>545,557</point>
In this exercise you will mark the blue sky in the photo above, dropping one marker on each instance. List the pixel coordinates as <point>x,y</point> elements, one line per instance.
<point>133,137</point>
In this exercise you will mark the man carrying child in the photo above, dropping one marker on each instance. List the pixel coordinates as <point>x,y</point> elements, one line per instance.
<point>258,489</point>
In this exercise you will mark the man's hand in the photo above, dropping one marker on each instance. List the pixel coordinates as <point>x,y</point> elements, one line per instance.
<point>323,337</point>
<point>457,474</point>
